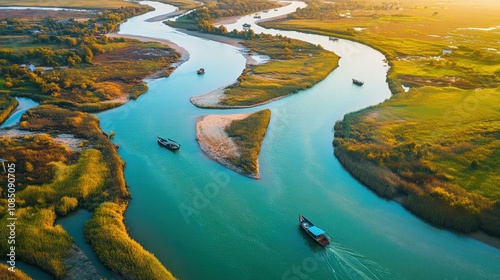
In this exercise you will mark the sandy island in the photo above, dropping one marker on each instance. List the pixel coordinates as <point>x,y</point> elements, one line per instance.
<point>216,143</point>
<point>184,53</point>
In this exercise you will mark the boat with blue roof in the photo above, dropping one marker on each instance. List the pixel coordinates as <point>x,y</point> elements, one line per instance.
<point>315,232</point>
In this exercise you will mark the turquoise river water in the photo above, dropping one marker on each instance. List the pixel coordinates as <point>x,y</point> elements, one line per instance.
<point>204,221</point>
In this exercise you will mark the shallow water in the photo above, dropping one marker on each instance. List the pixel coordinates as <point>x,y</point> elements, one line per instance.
<point>24,105</point>
<point>205,222</point>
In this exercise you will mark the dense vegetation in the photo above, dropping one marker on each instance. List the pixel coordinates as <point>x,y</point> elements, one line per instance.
<point>248,135</point>
<point>77,66</point>
<point>77,69</point>
<point>107,233</point>
<point>436,147</point>
<point>7,105</point>
<point>444,162</point>
<point>8,275</point>
<point>201,18</point>
<point>54,181</point>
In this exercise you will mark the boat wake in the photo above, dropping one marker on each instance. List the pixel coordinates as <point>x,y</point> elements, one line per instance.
<point>347,264</point>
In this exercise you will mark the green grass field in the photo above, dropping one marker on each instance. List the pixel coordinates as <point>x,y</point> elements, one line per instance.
<point>436,145</point>
<point>294,66</point>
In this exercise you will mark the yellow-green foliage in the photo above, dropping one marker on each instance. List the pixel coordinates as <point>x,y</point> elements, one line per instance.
<point>31,155</point>
<point>86,126</point>
<point>66,205</point>
<point>7,106</point>
<point>414,37</point>
<point>113,73</point>
<point>6,274</point>
<point>108,235</point>
<point>97,176</point>
<point>248,134</point>
<point>38,241</point>
<point>74,182</point>
<point>439,145</point>
<point>295,66</point>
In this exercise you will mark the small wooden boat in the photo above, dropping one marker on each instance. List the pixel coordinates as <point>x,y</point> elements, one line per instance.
<point>357,82</point>
<point>335,39</point>
<point>246,25</point>
<point>200,71</point>
<point>168,143</point>
<point>315,232</point>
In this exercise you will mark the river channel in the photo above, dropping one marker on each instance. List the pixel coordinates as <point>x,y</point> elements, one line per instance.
<point>203,221</point>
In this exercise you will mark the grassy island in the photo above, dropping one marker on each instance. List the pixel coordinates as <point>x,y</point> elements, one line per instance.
<point>234,140</point>
<point>64,60</point>
<point>8,275</point>
<point>294,65</point>
<point>248,134</point>
<point>435,148</point>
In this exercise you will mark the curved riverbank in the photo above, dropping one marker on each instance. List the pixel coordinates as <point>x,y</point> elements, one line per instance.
<point>234,140</point>
<point>182,51</point>
<point>215,142</point>
<point>245,224</point>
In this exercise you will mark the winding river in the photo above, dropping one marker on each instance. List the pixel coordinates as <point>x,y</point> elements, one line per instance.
<point>206,222</point>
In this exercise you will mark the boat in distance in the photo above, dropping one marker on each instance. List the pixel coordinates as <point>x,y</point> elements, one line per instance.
<point>357,82</point>
<point>168,143</point>
<point>200,71</point>
<point>315,232</point>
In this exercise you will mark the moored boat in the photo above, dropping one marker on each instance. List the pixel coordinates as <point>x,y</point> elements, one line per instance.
<point>334,39</point>
<point>315,232</point>
<point>246,25</point>
<point>357,82</point>
<point>168,143</point>
<point>200,71</point>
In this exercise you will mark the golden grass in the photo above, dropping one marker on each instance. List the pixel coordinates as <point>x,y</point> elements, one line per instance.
<point>9,275</point>
<point>38,241</point>
<point>248,134</point>
<point>108,235</point>
<point>7,104</point>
